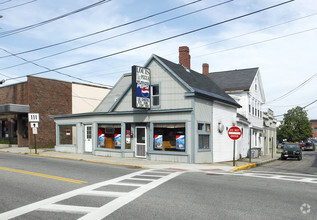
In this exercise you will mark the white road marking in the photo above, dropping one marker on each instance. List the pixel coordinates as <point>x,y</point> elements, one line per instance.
<point>68,208</point>
<point>95,212</point>
<point>265,175</point>
<point>104,193</point>
<point>112,206</point>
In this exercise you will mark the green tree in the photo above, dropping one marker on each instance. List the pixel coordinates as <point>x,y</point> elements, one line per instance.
<point>295,126</point>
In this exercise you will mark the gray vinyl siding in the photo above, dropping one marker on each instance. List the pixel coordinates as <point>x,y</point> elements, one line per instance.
<point>172,94</point>
<point>114,95</point>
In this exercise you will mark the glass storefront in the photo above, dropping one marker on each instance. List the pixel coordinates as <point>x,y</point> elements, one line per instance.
<point>109,136</point>
<point>169,137</point>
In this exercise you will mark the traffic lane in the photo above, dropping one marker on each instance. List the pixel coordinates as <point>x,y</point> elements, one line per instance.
<point>19,189</point>
<point>307,165</point>
<point>73,169</point>
<point>202,196</point>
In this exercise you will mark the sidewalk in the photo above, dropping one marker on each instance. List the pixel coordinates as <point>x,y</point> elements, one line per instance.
<point>143,163</point>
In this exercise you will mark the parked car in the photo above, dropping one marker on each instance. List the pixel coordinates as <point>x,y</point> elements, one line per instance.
<point>292,150</point>
<point>309,146</point>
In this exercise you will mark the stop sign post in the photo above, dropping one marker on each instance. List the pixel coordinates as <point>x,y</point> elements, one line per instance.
<point>234,133</point>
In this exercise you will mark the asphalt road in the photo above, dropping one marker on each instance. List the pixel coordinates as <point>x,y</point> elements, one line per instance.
<point>308,165</point>
<point>279,190</point>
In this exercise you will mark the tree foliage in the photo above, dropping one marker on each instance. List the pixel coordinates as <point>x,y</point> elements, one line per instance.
<point>295,126</point>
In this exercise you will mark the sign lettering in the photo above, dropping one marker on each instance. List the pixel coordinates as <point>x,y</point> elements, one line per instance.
<point>141,87</point>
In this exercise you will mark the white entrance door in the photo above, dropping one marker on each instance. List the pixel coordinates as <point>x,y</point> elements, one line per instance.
<point>88,140</point>
<point>140,143</point>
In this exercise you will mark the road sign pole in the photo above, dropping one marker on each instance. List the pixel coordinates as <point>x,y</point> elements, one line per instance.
<point>234,133</point>
<point>234,152</point>
<point>35,144</point>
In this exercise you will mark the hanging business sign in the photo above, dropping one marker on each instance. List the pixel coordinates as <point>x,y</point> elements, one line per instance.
<point>141,87</point>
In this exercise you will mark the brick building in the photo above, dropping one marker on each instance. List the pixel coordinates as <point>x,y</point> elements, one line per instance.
<point>46,97</point>
<point>314,127</point>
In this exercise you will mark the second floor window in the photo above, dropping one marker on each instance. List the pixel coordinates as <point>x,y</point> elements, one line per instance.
<point>155,95</point>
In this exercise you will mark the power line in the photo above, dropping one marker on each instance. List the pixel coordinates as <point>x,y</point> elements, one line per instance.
<point>15,6</point>
<point>252,32</point>
<point>19,30</point>
<point>259,42</point>
<point>299,106</point>
<point>119,35</point>
<point>237,36</point>
<point>165,39</point>
<point>105,30</point>
<point>310,103</point>
<point>293,90</point>
<point>5,2</point>
<point>48,70</point>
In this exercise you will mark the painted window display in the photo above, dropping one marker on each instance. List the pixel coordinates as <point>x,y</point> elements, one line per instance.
<point>109,136</point>
<point>169,137</point>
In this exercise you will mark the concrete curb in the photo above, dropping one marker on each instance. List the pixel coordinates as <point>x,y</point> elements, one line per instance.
<point>266,161</point>
<point>80,159</point>
<point>244,167</point>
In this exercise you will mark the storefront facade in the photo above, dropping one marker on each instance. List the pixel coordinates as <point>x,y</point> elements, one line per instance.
<point>178,126</point>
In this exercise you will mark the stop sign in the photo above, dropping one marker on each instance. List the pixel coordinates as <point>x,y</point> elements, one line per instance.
<point>234,133</point>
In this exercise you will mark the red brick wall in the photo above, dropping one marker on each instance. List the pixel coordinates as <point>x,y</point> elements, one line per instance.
<point>314,126</point>
<point>14,94</point>
<point>48,97</point>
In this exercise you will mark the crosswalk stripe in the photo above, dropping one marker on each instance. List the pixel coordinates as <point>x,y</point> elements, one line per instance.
<point>67,208</point>
<point>95,213</point>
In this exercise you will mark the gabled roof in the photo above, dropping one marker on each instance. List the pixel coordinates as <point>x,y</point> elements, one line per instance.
<point>114,96</point>
<point>234,79</point>
<point>199,83</point>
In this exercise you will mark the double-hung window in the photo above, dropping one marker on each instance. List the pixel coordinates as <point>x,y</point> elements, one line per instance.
<point>155,95</point>
<point>204,130</point>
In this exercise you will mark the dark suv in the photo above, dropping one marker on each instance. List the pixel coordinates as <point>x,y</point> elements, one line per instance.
<point>291,151</point>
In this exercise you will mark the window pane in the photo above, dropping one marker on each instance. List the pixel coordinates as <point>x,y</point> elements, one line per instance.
<point>203,142</point>
<point>200,126</point>
<point>207,127</point>
<point>140,135</point>
<point>155,95</point>
<point>156,100</point>
<point>156,90</point>
<point>67,134</point>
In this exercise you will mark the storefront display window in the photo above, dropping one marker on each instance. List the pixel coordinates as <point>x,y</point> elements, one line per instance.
<point>169,137</point>
<point>67,134</point>
<point>109,136</point>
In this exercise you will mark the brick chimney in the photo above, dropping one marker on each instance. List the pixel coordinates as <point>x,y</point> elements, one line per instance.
<point>184,57</point>
<point>206,69</point>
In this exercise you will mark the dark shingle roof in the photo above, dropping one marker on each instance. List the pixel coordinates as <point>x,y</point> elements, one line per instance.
<point>234,79</point>
<point>200,83</point>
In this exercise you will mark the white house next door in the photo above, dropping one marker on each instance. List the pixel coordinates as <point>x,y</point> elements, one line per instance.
<point>88,139</point>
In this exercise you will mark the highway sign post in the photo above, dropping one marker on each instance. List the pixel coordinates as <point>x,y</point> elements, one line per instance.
<point>34,118</point>
<point>234,133</point>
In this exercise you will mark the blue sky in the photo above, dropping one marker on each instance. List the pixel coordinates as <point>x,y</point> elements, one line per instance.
<point>280,41</point>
